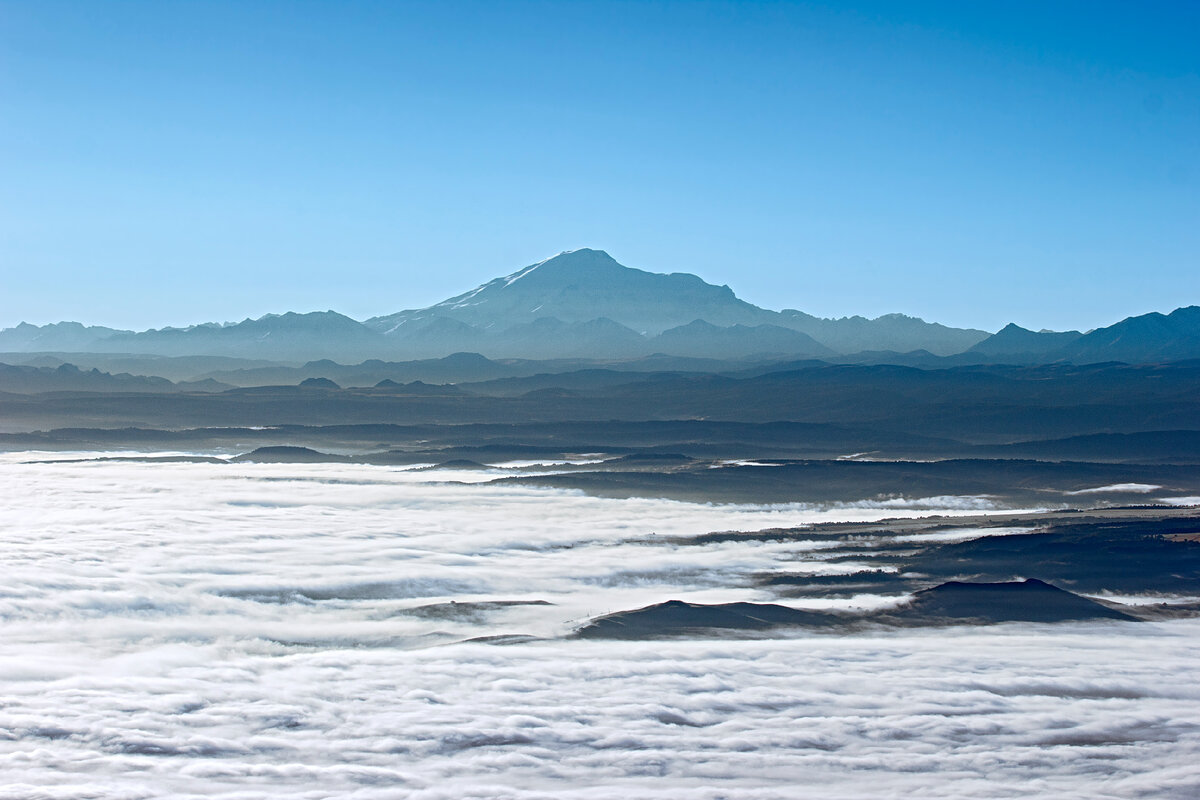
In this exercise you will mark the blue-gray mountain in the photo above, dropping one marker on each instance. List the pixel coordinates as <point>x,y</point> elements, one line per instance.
<point>583,304</point>
<point>1146,339</point>
<point>583,286</point>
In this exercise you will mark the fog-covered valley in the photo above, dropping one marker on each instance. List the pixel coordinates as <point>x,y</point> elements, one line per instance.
<point>318,630</point>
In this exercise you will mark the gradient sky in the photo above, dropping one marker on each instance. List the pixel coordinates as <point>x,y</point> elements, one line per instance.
<point>970,163</point>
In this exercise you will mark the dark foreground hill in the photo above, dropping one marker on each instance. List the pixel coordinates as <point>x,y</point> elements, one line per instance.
<point>1030,600</point>
<point>677,618</point>
<point>953,603</point>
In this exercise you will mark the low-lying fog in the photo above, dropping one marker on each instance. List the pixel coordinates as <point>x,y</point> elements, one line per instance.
<point>257,631</point>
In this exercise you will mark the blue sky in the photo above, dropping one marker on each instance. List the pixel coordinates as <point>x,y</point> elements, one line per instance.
<point>970,163</point>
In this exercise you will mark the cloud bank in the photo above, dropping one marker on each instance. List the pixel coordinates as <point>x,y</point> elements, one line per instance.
<point>260,631</point>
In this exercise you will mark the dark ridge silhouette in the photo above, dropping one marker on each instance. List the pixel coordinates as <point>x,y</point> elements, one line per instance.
<point>849,480</point>
<point>1030,600</point>
<point>677,618</point>
<point>285,454</point>
<point>318,383</point>
<point>950,603</point>
<point>29,379</point>
<point>1148,338</point>
<point>1088,557</point>
<point>1026,345</point>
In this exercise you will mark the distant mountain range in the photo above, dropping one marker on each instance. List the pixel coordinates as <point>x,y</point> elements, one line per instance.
<point>583,304</point>
<point>69,378</point>
<point>1148,338</point>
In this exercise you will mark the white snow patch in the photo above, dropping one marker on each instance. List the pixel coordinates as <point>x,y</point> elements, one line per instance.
<point>516,276</point>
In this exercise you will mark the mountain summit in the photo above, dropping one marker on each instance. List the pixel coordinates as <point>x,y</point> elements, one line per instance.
<point>583,285</point>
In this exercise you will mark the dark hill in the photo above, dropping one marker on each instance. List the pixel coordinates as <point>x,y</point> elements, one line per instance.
<point>69,378</point>
<point>1086,557</point>
<point>1013,340</point>
<point>1030,600</point>
<point>284,454</point>
<point>677,618</point>
<point>319,383</point>
<point>1148,338</point>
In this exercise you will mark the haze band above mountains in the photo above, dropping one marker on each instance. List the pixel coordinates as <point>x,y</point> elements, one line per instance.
<point>583,304</point>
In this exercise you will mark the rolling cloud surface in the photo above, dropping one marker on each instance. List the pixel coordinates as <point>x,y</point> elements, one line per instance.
<point>261,631</point>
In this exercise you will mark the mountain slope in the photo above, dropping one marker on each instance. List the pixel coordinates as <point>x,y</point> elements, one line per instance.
<point>1143,339</point>
<point>289,336</point>
<point>899,333</point>
<point>56,337</point>
<point>1012,339</point>
<point>583,285</point>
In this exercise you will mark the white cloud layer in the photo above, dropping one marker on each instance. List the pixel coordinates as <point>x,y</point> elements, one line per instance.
<point>254,631</point>
<point>1114,488</point>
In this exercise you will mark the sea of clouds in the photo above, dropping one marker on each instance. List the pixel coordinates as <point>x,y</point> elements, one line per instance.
<point>254,631</point>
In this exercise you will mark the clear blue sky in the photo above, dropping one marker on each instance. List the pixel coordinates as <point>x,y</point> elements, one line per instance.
<point>970,163</point>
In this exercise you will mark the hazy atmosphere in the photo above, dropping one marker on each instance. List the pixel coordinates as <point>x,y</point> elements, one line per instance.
<point>974,165</point>
<point>599,400</point>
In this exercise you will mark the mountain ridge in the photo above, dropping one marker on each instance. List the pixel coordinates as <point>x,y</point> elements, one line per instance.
<point>584,304</point>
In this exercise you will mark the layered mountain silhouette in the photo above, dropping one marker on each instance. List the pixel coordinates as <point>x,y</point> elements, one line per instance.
<point>1144,339</point>
<point>582,304</point>
<point>677,618</point>
<point>1012,342</point>
<point>283,336</point>
<point>56,337</point>
<point>24,379</point>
